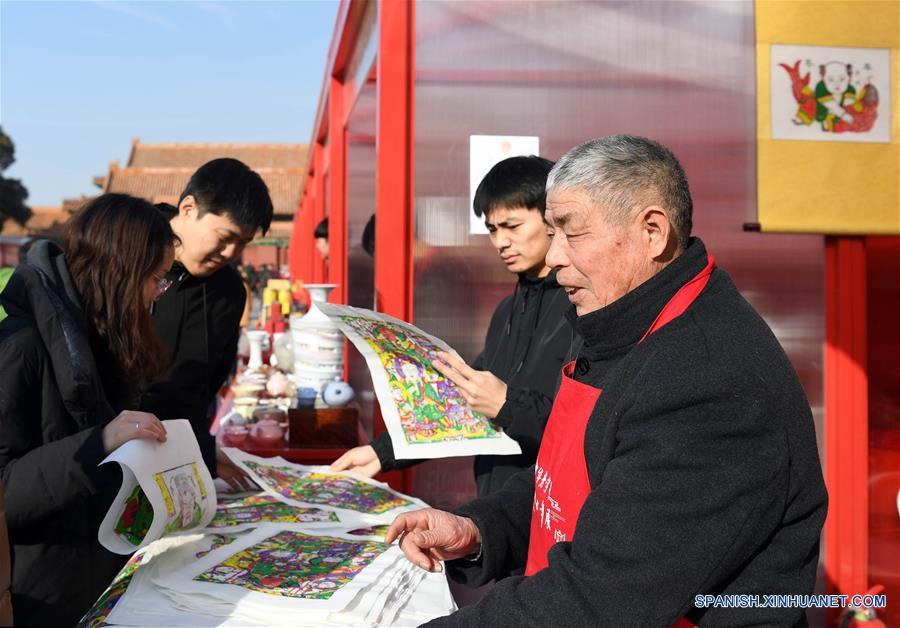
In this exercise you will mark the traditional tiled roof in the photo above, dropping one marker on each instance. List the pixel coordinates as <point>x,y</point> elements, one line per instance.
<point>164,185</point>
<point>71,205</point>
<point>42,218</point>
<point>159,172</point>
<point>192,156</point>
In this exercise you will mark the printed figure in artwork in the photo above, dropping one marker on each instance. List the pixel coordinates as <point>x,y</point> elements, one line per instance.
<point>136,517</point>
<point>256,508</point>
<point>833,93</point>
<point>803,94</point>
<point>431,408</point>
<point>327,489</point>
<point>183,493</point>
<point>864,110</point>
<point>292,564</point>
<point>189,513</point>
<point>844,98</point>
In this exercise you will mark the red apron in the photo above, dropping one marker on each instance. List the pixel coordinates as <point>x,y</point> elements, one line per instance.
<point>561,482</point>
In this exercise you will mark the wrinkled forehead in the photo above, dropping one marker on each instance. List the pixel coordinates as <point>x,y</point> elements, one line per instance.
<point>569,208</point>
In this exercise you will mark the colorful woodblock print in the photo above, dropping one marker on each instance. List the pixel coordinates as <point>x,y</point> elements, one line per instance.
<point>104,605</point>
<point>220,540</point>
<point>327,489</point>
<point>136,517</point>
<point>256,508</point>
<point>379,530</point>
<point>184,494</point>
<point>292,564</point>
<point>431,408</point>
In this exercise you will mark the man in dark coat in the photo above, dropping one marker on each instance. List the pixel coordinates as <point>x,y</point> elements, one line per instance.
<point>512,380</point>
<point>680,458</point>
<point>224,205</point>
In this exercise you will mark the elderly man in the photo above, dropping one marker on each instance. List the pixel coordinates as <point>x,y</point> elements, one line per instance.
<point>680,456</point>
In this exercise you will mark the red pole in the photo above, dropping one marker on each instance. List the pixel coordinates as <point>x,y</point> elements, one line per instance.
<point>846,416</point>
<point>319,211</point>
<point>394,176</point>
<point>337,182</point>
<point>393,187</point>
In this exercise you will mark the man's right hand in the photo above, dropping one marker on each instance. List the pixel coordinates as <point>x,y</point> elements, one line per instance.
<point>359,460</point>
<point>429,536</point>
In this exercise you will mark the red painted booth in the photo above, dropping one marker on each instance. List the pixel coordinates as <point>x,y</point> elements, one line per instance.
<point>408,83</point>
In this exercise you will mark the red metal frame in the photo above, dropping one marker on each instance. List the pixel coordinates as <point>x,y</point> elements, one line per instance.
<point>326,171</point>
<point>337,182</point>
<point>394,193</point>
<point>327,164</point>
<point>317,264</point>
<point>394,183</point>
<point>846,416</point>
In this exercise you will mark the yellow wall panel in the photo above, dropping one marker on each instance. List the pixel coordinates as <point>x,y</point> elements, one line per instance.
<point>828,186</point>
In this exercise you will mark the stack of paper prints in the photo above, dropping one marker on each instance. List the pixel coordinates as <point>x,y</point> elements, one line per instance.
<point>308,551</point>
<point>166,488</point>
<point>291,575</point>
<point>425,413</point>
<point>272,575</point>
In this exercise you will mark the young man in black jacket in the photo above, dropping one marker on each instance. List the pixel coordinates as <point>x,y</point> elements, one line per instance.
<point>224,205</point>
<point>680,460</point>
<point>512,380</point>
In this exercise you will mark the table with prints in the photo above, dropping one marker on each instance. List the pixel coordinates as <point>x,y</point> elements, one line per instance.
<point>193,579</point>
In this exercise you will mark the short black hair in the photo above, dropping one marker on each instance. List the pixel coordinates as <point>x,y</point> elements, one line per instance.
<point>368,237</point>
<point>321,230</point>
<point>514,182</point>
<point>229,187</point>
<point>167,209</point>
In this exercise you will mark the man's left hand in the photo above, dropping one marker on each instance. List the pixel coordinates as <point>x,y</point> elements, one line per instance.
<point>484,391</point>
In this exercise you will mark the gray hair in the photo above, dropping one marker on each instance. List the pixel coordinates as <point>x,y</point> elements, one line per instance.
<point>622,173</point>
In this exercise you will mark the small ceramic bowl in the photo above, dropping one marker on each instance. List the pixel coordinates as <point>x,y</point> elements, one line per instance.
<point>306,397</point>
<point>236,435</point>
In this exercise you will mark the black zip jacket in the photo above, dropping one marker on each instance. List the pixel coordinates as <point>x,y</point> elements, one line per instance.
<point>526,342</point>
<point>198,320</point>
<point>704,473</point>
<point>54,403</point>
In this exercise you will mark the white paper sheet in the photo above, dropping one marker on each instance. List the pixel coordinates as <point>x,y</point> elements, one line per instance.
<point>425,413</point>
<point>431,599</point>
<point>356,500</point>
<point>143,604</point>
<point>168,480</point>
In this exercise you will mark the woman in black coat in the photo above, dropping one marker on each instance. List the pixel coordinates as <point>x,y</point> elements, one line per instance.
<point>75,349</point>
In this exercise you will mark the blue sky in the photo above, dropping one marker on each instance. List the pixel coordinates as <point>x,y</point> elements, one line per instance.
<point>79,80</point>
